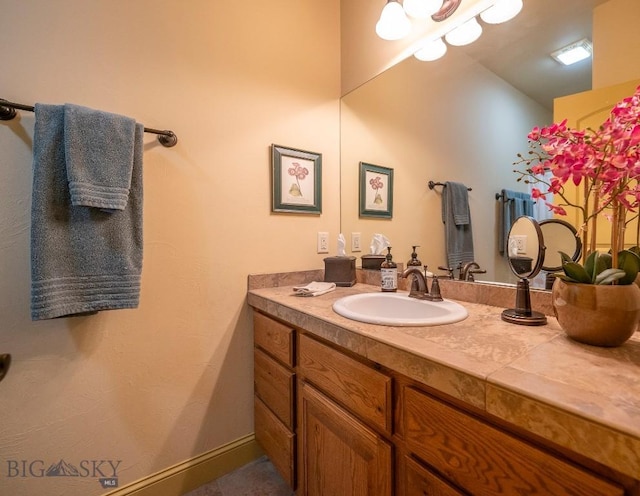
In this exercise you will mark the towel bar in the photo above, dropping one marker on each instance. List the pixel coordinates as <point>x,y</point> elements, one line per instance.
<point>433,184</point>
<point>8,111</point>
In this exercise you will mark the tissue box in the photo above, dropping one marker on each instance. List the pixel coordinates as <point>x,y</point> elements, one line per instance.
<point>372,262</point>
<point>341,270</point>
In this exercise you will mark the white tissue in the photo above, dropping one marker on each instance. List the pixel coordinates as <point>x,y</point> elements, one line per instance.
<point>379,244</point>
<point>341,246</point>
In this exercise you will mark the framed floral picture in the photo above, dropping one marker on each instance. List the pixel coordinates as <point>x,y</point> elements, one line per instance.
<point>296,180</point>
<point>376,191</point>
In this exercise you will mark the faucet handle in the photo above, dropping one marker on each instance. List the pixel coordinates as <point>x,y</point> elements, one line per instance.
<point>474,271</point>
<point>435,294</point>
<point>449,270</point>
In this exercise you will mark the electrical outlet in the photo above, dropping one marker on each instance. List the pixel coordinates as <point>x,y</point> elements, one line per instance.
<point>355,241</point>
<point>521,243</point>
<point>323,242</point>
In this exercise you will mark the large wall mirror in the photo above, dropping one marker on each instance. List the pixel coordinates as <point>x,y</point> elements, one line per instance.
<point>462,118</point>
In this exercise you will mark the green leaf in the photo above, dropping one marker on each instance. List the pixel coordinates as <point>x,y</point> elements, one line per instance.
<point>576,272</point>
<point>629,262</point>
<point>564,257</point>
<point>604,261</point>
<point>608,276</point>
<point>595,263</point>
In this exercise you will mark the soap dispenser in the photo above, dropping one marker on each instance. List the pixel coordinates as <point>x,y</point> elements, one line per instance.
<point>414,262</point>
<point>389,273</point>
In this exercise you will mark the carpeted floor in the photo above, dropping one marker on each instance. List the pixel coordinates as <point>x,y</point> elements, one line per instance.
<point>258,478</point>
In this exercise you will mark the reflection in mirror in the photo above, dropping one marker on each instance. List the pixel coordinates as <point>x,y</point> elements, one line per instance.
<point>526,252</point>
<point>455,119</point>
<point>559,236</point>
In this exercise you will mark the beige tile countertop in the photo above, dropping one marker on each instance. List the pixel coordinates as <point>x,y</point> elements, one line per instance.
<point>581,397</point>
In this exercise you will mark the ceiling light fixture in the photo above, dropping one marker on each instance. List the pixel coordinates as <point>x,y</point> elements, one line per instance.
<point>464,34</point>
<point>573,53</point>
<point>501,11</point>
<point>421,9</point>
<point>431,50</point>
<point>393,23</point>
<point>444,20</point>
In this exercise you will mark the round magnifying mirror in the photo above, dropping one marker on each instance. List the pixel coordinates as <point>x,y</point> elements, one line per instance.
<point>559,236</point>
<point>526,252</point>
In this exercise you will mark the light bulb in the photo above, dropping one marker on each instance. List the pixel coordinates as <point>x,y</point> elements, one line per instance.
<point>501,11</point>
<point>464,34</point>
<point>421,9</point>
<point>431,50</point>
<point>394,23</point>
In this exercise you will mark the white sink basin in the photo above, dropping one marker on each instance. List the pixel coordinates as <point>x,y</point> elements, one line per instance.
<point>397,309</point>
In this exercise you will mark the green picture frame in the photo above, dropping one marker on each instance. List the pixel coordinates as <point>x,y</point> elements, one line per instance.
<point>376,191</point>
<point>296,180</point>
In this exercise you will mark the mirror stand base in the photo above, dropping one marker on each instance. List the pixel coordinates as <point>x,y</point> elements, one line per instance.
<point>532,318</point>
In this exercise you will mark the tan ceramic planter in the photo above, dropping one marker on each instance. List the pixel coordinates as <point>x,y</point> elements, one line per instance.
<point>595,314</point>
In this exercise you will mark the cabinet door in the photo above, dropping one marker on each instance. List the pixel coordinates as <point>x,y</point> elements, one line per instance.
<point>486,461</point>
<point>277,441</point>
<point>339,455</point>
<point>417,480</point>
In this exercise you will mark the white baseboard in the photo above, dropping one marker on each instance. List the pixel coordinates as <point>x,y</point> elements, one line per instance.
<point>190,474</point>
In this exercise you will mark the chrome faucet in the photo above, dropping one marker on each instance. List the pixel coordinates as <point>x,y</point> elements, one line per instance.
<point>467,270</point>
<point>422,290</point>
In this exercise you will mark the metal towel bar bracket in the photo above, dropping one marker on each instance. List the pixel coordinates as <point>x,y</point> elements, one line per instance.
<point>8,111</point>
<point>433,184</point>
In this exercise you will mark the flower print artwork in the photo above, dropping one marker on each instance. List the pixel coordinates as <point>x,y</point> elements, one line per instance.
<point>296,180</point>
<point>376,191</point>
<point>299,172</point>
<point>377,184</point>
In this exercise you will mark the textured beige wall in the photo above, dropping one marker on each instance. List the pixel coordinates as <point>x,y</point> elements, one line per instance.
<point>616,43</point>
<point>155,386</point>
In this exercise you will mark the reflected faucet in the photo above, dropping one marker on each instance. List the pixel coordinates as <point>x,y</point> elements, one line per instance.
<point>467,270</point>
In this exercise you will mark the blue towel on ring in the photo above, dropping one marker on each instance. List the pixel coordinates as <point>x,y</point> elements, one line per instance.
<point>83,259</point>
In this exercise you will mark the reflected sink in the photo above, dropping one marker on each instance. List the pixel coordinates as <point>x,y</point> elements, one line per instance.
<point>397,309</point>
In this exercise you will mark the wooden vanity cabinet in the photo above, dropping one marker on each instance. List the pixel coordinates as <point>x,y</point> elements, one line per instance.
<point>274,388</point>
<point>336,424</point>
<point>339,455</point>
<point>415,479</point>
<point>485,460</point>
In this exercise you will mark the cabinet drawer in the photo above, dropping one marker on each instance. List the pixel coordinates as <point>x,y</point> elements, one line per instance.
<point>274,384</point>
<point>277,441</point>
<point>418,480</point>
<point>363,390</point>
<point>486,461</point>
<point>273,337</point>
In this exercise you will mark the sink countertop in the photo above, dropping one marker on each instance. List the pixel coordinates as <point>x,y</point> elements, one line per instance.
<point>584,398</point>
